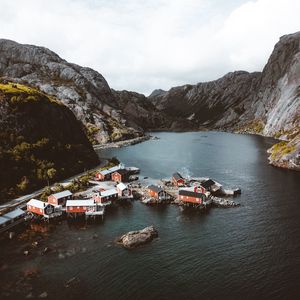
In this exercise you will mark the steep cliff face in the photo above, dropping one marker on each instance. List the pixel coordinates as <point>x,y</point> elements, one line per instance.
<point>266,102</point>
<point>214,104</point>
<point>40,140</point>
<point>83,90</point>
<point>140,113</point>
<point>278,100</point>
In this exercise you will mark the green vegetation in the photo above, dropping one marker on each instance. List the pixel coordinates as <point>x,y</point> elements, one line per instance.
<point>290,134</point>
<point>82,183</point>
<point>91,130</point>
<point>281,149</point>
<point>111,163</point>
<point>41,141</point>
<point>77,185</point>
<point>256,126</point>
<point>22,93</point>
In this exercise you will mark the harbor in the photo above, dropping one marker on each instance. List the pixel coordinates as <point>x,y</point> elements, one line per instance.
<point>75,252</point>
<point>115,185</point>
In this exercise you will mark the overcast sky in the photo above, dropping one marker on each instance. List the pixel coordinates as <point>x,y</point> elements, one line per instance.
<point>142,45</point>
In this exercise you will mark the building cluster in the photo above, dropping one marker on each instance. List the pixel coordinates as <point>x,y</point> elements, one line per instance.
<point>66,202</point>
<point>195,195</point>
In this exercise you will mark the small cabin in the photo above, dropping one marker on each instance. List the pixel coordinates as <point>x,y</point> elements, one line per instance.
<point>60,198</point>
<point>103,175</point>
<point>44,209</point>
<point>177,179</point>
<point>121,175</point>
<point>158,193</point>
<point>191,197</point>
<point>124,191</point>
<point>107,173</point>
<point>11,219</point>
<point>80,206</point>
<point>106,197</point>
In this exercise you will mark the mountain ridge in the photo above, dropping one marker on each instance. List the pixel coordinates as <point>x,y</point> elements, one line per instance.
<point>265,103</point>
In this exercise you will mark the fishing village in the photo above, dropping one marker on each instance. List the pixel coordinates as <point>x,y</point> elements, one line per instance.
<point>108,187</point>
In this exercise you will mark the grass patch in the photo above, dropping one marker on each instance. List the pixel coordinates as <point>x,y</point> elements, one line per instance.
<point>255,126</point>
<point>281,149</point>
<point>20,93</point>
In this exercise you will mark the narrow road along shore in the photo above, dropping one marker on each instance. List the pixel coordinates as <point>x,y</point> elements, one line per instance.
<point>14,203</point>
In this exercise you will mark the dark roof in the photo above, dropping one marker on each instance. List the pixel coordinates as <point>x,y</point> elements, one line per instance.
<point>208,183</point>
<point>190,194</point>
<point>155,188</point>
<point>122,172</point>
<point>177,176</point>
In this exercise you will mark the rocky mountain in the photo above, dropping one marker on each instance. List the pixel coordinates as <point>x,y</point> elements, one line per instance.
<point>266,102</point>
<point>214,104</point>
<point>40,140</point>
<point>141,114</point>
<point>83,90</point>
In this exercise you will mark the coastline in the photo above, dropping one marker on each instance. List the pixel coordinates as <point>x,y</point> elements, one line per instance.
<point>124,143</point>
<point>287,161</point>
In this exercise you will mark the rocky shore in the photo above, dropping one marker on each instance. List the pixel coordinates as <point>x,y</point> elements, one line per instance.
<point>123,143</point>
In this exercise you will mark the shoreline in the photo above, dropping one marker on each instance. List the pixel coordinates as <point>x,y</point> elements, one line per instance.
<point>278,164</point>
<point>124,143</point>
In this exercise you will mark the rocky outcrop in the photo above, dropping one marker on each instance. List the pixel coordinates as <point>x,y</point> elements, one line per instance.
<point>266,102</point>
<point>134,239</point>
<point>83,90</point>
<point>40,141</point>
<point>286,154</point>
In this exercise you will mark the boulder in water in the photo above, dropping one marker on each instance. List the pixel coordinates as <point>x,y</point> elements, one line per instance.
<point>137,238</point>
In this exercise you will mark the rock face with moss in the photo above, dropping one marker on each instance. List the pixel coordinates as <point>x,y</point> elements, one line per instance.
<point>286,154</point>
<point>41,141</point>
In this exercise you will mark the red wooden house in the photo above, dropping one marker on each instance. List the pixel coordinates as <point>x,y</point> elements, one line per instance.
<point>124,191</point>
<point>43,209</point>
<point>106,197</point>
<point>120,176</point>
<point>191,197</point>
<point>80,206</point>
<point>60,198</point>
<point>177,179</point>
<point>158,193</point>
<point>106,174</point>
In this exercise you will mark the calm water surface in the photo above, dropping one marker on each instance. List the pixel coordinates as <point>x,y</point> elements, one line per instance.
<point>250,252</point>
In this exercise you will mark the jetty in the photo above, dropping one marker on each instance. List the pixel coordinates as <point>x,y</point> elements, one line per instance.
<point>12,219</point>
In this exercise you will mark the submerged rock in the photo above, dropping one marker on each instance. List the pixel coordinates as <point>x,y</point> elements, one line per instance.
<point>137,238</point>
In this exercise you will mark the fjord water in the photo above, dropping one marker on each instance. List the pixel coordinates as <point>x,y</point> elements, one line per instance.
<point>250,252</point>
